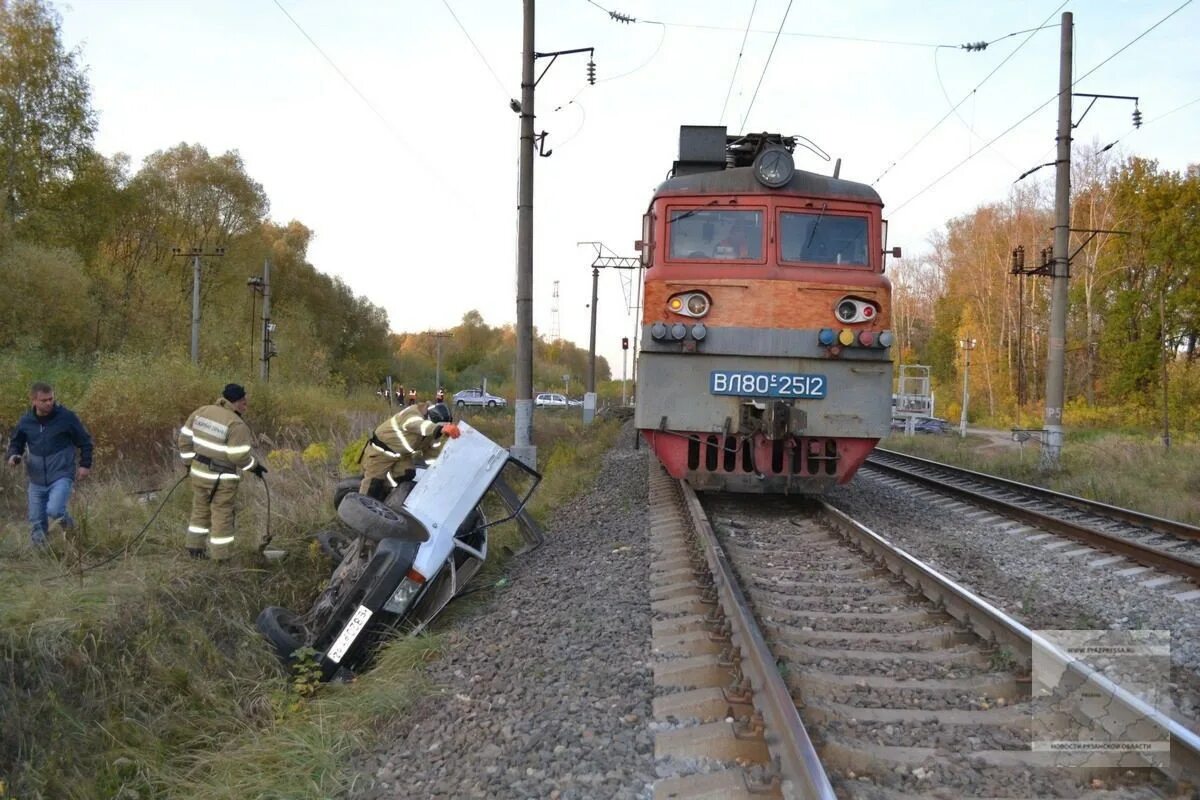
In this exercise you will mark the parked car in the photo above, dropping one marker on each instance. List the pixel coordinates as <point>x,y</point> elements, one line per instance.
<point>478,397</point>
<point>573,403</point>
<point>932,425</point>
<point>550,400</point>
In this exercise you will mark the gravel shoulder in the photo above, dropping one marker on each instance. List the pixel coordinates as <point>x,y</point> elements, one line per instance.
<point>546,690</point>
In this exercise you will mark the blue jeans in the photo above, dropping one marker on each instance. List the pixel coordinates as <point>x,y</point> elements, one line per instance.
<point>46,503</point>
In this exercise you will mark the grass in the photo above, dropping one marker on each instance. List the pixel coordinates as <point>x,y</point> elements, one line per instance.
<point>145,677</point>
<point>1133,471</point>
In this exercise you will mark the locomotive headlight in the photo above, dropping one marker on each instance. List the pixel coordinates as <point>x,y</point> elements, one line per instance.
<point>774,168</point>
<point>852,309</point>
<point>690,304</point>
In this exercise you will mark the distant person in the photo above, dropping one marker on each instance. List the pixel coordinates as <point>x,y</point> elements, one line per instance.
<point>389,456</point>
<point>440,397</point>
<point>412,397</point>
<point>216,445</point>
<point>52,434</point>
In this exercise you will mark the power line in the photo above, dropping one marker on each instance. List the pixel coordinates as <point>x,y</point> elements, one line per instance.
<point>969,94</point>
<point>619,17</point>
<point>1052,98</point>
<point>387,123</point>
<point>741,49</point>
<point>754,97</point>
<point>478,52</point>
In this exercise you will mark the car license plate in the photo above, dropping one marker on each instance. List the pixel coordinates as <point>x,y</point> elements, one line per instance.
<point>767,384</point>
<point>349,634</point>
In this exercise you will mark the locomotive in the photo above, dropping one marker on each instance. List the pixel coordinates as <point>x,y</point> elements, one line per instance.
<point>765,359</point>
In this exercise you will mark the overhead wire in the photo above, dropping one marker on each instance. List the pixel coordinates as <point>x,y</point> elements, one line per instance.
<point>754,97</point>
<point>346,78</point>
<point>1052,98</point>
<point>986,78</point>
<point>478,52</point>
<point>737,63</point>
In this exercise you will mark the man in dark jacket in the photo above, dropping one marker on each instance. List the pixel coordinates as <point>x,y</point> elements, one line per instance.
<point>52,434</point>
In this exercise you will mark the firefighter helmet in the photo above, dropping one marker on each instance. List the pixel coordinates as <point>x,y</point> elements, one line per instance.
<point>438,412</point>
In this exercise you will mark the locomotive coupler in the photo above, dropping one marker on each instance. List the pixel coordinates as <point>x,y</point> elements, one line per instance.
<point>774,419</point>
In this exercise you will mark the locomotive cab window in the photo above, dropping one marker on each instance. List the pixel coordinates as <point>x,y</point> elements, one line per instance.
<point>819,238</point>
<point>701,234</point>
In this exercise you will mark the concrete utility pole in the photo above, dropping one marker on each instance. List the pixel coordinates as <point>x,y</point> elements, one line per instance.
<point>523,448</point>
<point>264,365</point>
<point>1052,438</point>
<point>437,376</point>
<point>967,345</point>
<point>591,380</point>
<point>195,253</point>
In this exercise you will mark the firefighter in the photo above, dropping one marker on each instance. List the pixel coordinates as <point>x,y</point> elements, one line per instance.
<point>216,444</point>
<point>389,455</point>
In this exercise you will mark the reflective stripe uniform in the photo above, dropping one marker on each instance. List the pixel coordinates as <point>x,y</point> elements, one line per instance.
<point>396,443</point>
<point>216,444</point>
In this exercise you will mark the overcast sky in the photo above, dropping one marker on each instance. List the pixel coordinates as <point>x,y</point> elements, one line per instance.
<point>398,147</point>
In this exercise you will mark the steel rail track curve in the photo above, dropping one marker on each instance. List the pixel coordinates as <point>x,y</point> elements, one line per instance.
<point>902,466</point>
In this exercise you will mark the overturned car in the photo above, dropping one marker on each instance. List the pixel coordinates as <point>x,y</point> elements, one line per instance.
<point>406,557</point>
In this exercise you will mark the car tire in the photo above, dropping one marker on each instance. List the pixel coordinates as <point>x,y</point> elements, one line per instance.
<point>459,403</point>
<point>376,521</point>
<point>491,403</point>
<point>343,488</point>
<point>283,630</point>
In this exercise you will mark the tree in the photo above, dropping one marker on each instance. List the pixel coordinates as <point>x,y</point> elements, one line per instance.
<point>46,118</point>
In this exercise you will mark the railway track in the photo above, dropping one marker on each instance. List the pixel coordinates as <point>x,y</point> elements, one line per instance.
<point>1149,542</point>
<point>797,654</point>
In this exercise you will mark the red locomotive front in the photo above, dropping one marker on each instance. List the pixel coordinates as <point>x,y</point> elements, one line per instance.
<point>764,363</point>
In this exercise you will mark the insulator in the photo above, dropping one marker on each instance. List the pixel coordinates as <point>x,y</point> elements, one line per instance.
<point>1137,117</point>
<point>591,72</point>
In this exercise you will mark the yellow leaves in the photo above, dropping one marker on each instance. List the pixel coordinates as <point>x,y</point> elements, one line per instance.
<point>315,453</point>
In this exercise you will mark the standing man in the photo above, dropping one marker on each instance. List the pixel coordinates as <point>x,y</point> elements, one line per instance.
<point>52,433</point>
<point>215,444</point>
<point>390,453</point>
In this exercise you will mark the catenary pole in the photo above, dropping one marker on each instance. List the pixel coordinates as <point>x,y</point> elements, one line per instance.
<point>264,365</point>
<point>1052,439</point>
<point>591,381</point>
<point>523,448</point>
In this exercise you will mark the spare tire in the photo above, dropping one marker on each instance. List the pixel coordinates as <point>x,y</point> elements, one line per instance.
<point>283,630</point>
<point>343,488</point>
<point>374,520</point>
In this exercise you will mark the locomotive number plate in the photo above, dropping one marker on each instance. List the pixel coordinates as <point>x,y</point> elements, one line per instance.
<point>767,384</point>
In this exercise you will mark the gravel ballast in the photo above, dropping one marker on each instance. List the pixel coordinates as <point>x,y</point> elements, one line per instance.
<point>545,690</point>
<point>1043,588</point>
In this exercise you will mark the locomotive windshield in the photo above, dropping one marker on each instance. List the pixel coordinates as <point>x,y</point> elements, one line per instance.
<point>720,235</point>
<point>823,239</point>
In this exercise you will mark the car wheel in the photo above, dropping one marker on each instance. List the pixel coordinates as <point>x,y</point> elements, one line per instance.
<point>283,630</point>
<point>491,403</point>
<point>343,488</point>
<point>459,403</point>
<point>374,520</point>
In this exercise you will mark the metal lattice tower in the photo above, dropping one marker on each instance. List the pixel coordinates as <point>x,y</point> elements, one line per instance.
<point>555,330</point>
